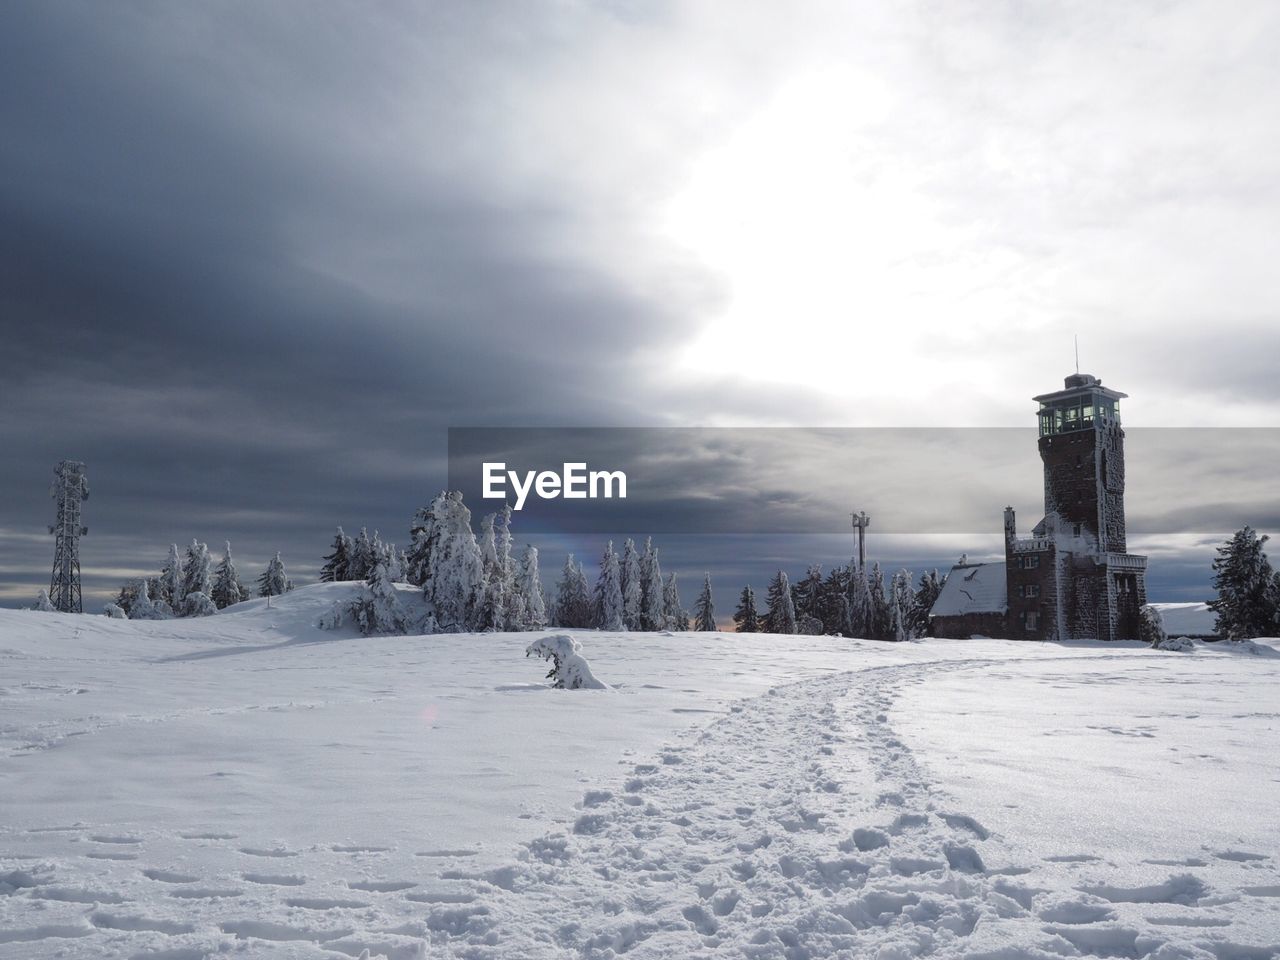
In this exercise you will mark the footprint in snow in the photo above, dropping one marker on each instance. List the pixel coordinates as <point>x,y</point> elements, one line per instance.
<point>275,852</point>
<point>169,876</point>
<point>275,880</point>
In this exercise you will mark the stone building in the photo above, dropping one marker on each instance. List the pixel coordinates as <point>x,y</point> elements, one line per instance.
<point>1073,578</point>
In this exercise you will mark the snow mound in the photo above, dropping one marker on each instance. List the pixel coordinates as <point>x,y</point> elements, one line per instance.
<point>1175,644</point>
<point>1247,646</point>
<point>569,670</point>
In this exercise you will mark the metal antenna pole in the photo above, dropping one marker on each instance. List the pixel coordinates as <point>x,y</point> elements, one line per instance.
<point>70,489</point>
<point>860,523</point>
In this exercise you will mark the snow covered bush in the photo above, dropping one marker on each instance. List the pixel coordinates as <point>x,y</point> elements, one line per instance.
<point>569,671</point>
<point>379,609</point>
<point>197,603</point>
<point>114,611</point>
<point>809,626</point>
<point>376,609</point>
<point>1175,644</point>
<point>1151,626</point>
<point>43,604</point>
<point>144,608</point>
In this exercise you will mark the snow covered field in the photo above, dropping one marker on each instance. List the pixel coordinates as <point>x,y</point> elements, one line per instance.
<point>247,785</point>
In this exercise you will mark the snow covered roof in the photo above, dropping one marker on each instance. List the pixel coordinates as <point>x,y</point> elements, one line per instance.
<point>972,588</point>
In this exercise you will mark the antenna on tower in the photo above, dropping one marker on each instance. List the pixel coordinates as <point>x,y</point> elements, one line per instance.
<point>1076,337</point>
<point>70,489</point>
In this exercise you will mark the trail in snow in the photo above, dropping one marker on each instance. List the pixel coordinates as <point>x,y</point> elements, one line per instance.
<point>801,826</point>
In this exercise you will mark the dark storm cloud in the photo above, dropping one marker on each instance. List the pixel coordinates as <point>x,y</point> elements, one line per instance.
<point>249,283</point>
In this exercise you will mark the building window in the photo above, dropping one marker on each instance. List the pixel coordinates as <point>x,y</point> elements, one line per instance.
<point>1076,529</point>
<point>1030,620</point>
<point>1030,591</point>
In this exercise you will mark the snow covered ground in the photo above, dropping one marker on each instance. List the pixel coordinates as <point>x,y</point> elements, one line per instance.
<point>246,785</point>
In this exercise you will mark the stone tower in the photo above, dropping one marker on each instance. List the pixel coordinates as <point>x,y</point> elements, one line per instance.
<point>1088,585</point>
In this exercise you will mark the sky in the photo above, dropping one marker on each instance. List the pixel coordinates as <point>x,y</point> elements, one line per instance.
<point>257,259</point>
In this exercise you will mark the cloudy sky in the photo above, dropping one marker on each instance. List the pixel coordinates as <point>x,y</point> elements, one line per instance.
<point>255,259</point>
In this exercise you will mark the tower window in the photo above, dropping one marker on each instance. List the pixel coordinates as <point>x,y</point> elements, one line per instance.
<point>1030,591</point>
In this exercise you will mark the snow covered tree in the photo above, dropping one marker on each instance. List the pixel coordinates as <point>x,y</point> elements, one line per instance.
<point>569,669</point>
<point>1151,626</point>
<point>378,610</point>
<point>363,556</point>
<point>529,585</point>
<point>417,559</point>
<point>632,594</point>
<point>114,611</point>
<point>879,605</point>
<point>393,560</point>
<point>337,565</point>
<point>608,596</point>
<point>195,572</point>
<point>44,604</point>
<point>860,613</point>
<point>493,599</point>
<point>493,605</point>
<point>805,594</point>
<point>453,582</point>
<point>652,608</point>
<point>704,611</point>
<point>169,585</point>
<point>780,616</point>
<point>503,606</point>
<point>675,616</point>
<point>502,544</point>
<point>198,604</point>
<point>1242,575</point>
<point>143,607</point>
<point>273,582</point>
<point>925,597</point>
<point>487,543</point>
<point>746,616</point>
<point>833,602</point>
<point>573,606</point>
<point>227,588</point>
<point>901,603</point>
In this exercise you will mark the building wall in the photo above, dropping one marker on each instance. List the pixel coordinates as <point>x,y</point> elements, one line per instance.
<point>1031,584</point>
<point>966,625</point>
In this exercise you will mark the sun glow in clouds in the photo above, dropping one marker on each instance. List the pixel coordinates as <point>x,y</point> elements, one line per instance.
<point>835,243</point>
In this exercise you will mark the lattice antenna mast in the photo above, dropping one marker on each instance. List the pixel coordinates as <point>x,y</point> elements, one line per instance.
<point>70,489</point>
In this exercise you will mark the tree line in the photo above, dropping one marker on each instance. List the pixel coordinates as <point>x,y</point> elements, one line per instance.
<point>473,582</point>
<point>850,601</point>
<point>191,586</point>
